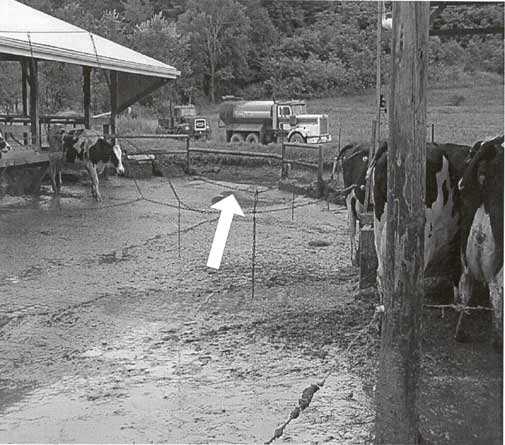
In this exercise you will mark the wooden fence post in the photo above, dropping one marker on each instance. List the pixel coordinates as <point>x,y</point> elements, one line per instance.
<point>284,170</point>
<point>399,360</point>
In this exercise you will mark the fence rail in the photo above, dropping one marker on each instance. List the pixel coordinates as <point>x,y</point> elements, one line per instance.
<point>149,136</point>
<point>251,154</point>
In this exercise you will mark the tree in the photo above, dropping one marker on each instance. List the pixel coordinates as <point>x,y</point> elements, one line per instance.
<point>174,51</point>
<point>218,34</point>
<point>137,11</point>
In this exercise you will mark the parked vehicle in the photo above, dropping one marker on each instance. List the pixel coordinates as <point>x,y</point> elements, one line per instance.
<point>184,120</point>
<point>268,121</point>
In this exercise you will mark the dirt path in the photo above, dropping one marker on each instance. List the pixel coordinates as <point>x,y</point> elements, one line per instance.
<point>106,335</point>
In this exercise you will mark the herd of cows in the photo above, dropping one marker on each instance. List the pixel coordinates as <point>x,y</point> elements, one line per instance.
<point>463,214</point>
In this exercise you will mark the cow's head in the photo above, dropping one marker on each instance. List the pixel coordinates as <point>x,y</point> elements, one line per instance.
<point>480,164</point>
<point>117,158</point>
<point>4,145</point>
<point>383,148</point>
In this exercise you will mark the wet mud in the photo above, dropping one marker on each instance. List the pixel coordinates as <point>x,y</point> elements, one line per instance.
<point>111,333</point>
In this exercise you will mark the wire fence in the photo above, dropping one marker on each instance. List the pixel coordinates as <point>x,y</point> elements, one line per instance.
<point>182,206</point>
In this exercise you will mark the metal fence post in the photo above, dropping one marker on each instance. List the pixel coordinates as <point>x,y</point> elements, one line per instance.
<point>320,164</point>
<point>253,256</point>
<point>188,161</point>
<point>370,155</point>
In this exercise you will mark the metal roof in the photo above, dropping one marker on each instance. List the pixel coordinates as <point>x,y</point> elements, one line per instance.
<point>28,32</point>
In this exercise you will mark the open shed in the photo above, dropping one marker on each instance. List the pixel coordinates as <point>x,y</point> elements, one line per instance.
<point>28,35</point>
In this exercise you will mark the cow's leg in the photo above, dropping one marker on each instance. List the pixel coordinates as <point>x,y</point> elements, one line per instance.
<point>59,180</point>
<point>94,182</point>
<point>496,298</point>
<point>465,290</point>
<point>55,177</point>
<point>351,217</point>
<point>52,177</point>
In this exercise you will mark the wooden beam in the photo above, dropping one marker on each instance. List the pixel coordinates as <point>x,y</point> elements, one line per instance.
<point>113,100</point>
<point>86,90</point>
<point>34,101</point>
<point>397,417</point>
<point>10,58</point>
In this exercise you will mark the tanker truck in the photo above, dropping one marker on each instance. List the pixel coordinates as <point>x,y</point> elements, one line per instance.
<point>268,121</point>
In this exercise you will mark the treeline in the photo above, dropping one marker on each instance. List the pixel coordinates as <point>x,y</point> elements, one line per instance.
<point>254,48</point>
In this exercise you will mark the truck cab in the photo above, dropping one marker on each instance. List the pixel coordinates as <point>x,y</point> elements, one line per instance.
<point>296,125</point>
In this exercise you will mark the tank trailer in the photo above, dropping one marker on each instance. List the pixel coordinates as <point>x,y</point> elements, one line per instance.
<point>268,121</point>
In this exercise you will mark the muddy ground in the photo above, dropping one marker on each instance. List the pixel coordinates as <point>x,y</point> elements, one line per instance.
<point>108,335</point>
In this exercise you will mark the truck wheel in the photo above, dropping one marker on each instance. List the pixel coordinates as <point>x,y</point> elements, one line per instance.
<point>236,138</point>
<point>252,138</point>
<point>297,138</point>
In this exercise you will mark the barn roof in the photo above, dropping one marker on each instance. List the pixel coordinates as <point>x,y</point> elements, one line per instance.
<point>28,32</point>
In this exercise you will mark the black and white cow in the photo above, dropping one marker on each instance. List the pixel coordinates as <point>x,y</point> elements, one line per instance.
<point>445,164</point>
<point>481,189</point>
<point>4,145</point>
<point>87,147</point>
<point>354,159</point>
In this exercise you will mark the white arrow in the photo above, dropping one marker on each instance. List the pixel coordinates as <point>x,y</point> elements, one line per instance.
<point>229,207</point>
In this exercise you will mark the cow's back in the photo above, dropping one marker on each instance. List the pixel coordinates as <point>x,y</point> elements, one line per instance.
<point>444,166</point>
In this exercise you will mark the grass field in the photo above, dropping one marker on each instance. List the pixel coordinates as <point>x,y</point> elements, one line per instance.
<point>462,112</point>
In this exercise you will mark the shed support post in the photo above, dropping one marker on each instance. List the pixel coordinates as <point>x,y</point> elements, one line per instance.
<point>24,93</point>
<point>34,101</point>
<point>113,101</point>
<point>86,90</point>
<point>399,361</point>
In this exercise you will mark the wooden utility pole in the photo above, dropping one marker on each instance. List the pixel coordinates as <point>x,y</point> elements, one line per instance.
<point>397,417</point>
<point>86,90</point>
<point>378,80</point>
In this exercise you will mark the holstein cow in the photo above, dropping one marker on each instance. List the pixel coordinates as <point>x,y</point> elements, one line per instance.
<point>444,167</point>
<point>4,145</point>
<point>481,189</point>
<point>87,147</point>
<point>354,167</point>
